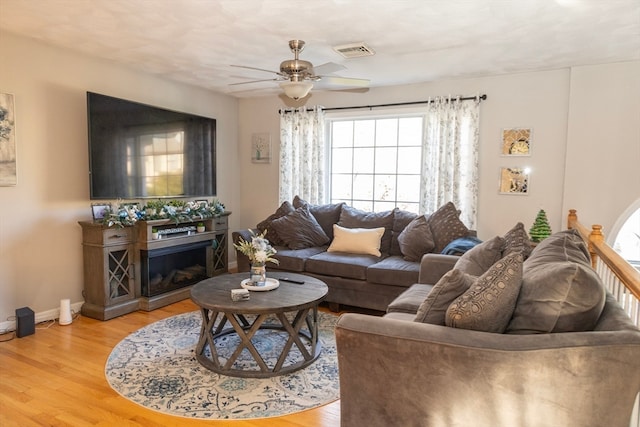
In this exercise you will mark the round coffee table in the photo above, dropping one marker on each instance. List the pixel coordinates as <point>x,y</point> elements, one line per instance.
<point>221,316</point>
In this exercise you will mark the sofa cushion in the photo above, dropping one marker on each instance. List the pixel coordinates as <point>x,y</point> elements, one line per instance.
<point>416,239</point>
<point>489,303</point>
<point>351,217</point>
<point>284,209</point>
<point>299,229</point>
<point>326,214</point>
<point>446,226</point>
<point>395,271</point>
<point>478,259</point>
<point>560,291</point>
<point>340,264</point>
<point>293,259</point>
<point>516,240</point>
<point>356,240</point>
<point>410,300</point>
<point>401,219</point>
<point>432,309</point>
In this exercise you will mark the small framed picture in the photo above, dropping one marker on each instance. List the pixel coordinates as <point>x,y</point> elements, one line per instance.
<point>261,148</point>
<point>99,211</point>
<point>516,142</point>
<point>514,181</point>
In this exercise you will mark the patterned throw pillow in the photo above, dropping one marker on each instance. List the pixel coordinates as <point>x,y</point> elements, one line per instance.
<point>446,226</point>
<point>299,229</point>
<point>453,284</point>
<point>517,240</point>
<point>489,303</point>
<point>272,236</point>
<point>416,239</point>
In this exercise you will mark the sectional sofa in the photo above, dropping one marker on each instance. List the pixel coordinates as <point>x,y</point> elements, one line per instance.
<point>367,259</point>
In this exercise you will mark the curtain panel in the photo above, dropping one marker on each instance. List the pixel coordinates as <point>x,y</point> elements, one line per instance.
<point>302,154</point>
<point>450,157</point>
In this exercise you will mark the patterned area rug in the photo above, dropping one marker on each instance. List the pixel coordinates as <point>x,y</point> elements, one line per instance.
<point>156,367</point>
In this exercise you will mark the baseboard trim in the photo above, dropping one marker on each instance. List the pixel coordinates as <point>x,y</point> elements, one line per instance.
<point>43,316</point>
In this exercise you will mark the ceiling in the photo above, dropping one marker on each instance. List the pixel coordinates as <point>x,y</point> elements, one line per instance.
<point>197,41</point>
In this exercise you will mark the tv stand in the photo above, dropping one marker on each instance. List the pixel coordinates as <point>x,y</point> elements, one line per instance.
<point>131,268</point>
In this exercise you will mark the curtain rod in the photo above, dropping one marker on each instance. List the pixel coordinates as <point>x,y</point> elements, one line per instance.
<point>397,104</point>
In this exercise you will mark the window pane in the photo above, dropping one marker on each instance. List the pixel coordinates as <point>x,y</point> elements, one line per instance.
<point>364,133</point>
<point>409,160</point>
<point>410,131</point>
<point>363,160</point>
<point>341,186</point>
<point>341,160</point>
<point>385,187</point>
<point>386,132</point>
<point>342,134</point>
<point>386,160</point>
<point>363,205</point>
<point>408,188</point>
<point>383,206</point>
<point>363,187</point>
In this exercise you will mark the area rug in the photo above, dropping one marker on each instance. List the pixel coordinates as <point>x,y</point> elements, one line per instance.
<point>156,367</point>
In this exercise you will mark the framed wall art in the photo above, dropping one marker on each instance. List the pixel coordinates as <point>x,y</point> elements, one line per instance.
<point>516,142</point>
<point>514,181</point>
<point>8,170</point>
<point>261,148</point>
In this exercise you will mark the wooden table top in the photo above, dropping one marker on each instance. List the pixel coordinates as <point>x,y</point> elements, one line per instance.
<point>215,294</point>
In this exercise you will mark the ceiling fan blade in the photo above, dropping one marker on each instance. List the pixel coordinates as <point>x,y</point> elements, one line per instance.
<point>345,81</point>
<point>328,68</point>
<point>258,69</point>
<point>254,81</point>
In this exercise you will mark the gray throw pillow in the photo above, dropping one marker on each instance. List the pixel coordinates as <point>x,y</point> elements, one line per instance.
<point>326,215</point>
<point>401,219</point>
<point>272,236</point>
<point>446,226</point>
<point>489,303</point>
<point>351,217</point>
<point>450,286</point>
<point>560,290</point>
<point>299,229</point>
<point>478,259</point>
<point>517,240</point>
<point>416,239</point>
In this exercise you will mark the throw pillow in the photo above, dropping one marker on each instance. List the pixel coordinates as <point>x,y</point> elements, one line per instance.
<point>453,284</point>
<point>326,215</point>
<point>356,240</point>
<point>446,226</point>
<point>272,236</point>
<point>560,290</point>
<point>299,229</point>
<point>489,303</point>
<point>478,259</point>
<point>401,219</point>
<point>516,240</point>
<point>416,239</point>
<point>351,217</point>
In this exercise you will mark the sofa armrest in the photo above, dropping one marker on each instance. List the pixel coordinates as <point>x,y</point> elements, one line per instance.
<point>242,259</point>
<point>439,376</point>
<point>434,266</point>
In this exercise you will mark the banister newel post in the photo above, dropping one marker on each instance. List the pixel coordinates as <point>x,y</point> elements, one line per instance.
<point>596,235</point>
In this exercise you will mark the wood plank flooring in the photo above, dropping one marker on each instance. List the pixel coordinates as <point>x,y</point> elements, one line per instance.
<point>56,378</point>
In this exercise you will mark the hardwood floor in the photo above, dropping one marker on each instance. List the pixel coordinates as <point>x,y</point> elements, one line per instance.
<point>56,378</point>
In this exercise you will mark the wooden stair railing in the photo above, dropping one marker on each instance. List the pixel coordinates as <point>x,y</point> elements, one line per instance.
<point>620,278</point>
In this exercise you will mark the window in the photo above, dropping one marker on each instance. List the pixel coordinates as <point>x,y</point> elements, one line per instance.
<point>375,163</point>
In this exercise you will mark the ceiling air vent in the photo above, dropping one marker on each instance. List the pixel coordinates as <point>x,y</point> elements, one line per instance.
<point>354,50</point>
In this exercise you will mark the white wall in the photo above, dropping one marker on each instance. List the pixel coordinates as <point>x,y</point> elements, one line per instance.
<point>40,239</point>
<point>536,100</point>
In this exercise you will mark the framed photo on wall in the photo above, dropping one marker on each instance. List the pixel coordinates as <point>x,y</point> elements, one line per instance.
<point>8,165</point>
<point>514,180</point>
<point>516,142</point>
<point>261,148</point>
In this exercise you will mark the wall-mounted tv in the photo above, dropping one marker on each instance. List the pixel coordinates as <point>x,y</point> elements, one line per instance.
<point>138,151</point>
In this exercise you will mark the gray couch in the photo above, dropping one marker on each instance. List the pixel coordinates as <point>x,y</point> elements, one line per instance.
<point>566,355</point>
<point>303,234</point>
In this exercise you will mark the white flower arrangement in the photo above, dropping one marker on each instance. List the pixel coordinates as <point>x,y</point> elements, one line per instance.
<point>122,214</point>
<point>259,250</point>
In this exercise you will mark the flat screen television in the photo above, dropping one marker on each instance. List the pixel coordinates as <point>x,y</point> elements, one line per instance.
<point>138,151</point>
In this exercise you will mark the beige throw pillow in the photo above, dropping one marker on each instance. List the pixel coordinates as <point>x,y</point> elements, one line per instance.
<point>356,240</point>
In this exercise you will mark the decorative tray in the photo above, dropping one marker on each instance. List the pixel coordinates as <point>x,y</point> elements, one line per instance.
<point>270,285</point>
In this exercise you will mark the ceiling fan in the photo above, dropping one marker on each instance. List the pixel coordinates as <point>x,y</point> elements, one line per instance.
<point>297,74</point>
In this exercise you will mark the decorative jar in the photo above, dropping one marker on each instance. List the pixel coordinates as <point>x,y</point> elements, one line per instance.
<point>258,274</point>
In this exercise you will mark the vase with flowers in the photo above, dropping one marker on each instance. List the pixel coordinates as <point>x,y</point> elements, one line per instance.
<point>259,251</point>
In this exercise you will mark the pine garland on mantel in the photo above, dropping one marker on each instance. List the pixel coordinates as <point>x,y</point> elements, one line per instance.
<point>126,214</point>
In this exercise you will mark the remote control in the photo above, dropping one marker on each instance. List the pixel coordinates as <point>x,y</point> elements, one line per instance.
<point>297,282</point>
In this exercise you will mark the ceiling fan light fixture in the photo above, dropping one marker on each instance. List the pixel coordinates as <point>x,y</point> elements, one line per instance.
<point>296,90</point>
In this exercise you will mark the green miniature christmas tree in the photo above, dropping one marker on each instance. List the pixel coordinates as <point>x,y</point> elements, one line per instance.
<point>540,228</point>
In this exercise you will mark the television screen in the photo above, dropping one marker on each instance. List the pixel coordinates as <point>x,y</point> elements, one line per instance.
<point>138,151</point>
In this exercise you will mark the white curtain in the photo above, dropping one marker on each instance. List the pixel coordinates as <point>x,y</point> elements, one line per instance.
<point>302,153</point>
<point>450,157</point>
